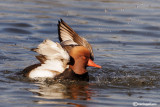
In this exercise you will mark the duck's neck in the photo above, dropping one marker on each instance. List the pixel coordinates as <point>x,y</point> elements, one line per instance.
<point>78,68</point>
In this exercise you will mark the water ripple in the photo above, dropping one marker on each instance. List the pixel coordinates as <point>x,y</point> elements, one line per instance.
<point>16,30</point>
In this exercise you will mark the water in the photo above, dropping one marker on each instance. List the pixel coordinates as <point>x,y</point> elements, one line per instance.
<point>125,35</point>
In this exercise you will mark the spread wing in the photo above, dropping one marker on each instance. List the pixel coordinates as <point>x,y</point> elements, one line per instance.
<point>68,37</point>
<point>49,50</point>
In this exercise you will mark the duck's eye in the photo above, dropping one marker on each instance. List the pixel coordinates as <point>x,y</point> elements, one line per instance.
<point>83,57</point>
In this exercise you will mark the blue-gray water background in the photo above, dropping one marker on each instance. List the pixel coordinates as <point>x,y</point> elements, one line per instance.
<point>125,35</point>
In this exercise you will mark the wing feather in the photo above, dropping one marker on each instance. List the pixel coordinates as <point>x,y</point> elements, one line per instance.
<point>50,50</point>
<point>66,33</point>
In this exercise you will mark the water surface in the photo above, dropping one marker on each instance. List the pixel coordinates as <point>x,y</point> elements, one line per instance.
<point>125,35</point>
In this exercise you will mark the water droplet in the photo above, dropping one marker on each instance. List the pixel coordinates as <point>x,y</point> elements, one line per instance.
<point>105,11</point>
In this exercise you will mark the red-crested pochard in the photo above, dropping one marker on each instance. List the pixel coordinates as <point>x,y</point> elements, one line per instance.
<point>65,60</point>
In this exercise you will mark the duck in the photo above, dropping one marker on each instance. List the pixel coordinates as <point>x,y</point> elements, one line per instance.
<point>65,60</point>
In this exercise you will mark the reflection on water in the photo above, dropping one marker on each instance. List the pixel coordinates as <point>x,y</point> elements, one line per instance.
<point>57,91</point>
<point>125,38</point>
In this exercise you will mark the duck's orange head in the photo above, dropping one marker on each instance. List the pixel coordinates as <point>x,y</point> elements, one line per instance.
<point>80,59</point>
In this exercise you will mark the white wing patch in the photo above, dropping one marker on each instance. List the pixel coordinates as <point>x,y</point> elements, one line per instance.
<point>68,42</point>
<point>52,50</point>
<point>56,59</point>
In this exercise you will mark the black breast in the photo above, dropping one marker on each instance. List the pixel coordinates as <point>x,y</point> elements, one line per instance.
<point>68,74</point>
